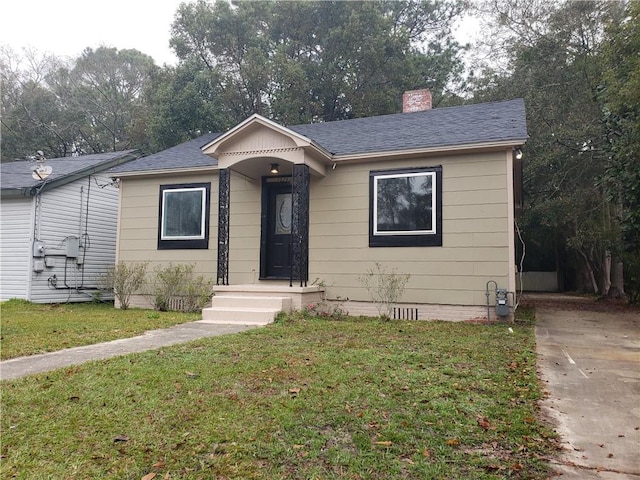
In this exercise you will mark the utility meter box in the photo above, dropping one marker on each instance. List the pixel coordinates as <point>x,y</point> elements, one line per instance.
<point>502,302</point>
<point>73,247</point>
<point>38,249</point>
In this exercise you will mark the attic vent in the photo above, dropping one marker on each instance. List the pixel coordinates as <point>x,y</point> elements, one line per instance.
<point>416,100</point>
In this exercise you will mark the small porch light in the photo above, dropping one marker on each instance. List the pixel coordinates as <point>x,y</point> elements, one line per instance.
<point>518,153</point>
<point>275,169</point>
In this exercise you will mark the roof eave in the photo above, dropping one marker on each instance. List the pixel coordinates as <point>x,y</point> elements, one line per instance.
<point>15,192</point>
<point>443,149</point>
<point>166,171</point>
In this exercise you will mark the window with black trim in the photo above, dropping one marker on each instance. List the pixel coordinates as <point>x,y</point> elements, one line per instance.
<point>183,219</point>
<point>405,207</point>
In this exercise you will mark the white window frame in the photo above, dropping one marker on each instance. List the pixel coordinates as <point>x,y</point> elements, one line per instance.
<point>203,212</point>
<point>434,213</point>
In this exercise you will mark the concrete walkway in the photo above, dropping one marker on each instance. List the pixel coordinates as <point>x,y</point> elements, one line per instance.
<point>19,367</point>
<point>590,363</point>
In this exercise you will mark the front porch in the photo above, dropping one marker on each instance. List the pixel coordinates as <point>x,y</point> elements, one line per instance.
<point>257,304</point>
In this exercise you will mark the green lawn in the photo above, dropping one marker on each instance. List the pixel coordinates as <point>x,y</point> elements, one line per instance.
<point>299,399</point>
<point>29,328</point>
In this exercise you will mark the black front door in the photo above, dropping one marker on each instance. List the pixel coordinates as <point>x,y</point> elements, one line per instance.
<point>275,252</point>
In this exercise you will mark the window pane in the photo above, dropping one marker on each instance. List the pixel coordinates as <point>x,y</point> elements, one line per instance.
<point>283,214</point>
<point>182,213</point>
<point>404,203</point>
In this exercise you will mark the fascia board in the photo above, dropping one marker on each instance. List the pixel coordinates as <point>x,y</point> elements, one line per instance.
<point>166,171</point>
<point>445,149</point>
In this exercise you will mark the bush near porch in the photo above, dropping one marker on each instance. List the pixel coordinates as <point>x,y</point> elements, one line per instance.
<point>302,398</point>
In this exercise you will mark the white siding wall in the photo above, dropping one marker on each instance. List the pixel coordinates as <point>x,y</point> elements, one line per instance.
<point>62,216</point>
<point>16,222</point>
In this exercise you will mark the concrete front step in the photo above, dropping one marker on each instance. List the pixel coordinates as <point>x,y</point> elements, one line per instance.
<point>239,316</point>
<point>245,310</point>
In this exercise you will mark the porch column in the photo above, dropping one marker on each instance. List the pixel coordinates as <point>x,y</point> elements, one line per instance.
<point>223,227</point>
<point>300,225</point>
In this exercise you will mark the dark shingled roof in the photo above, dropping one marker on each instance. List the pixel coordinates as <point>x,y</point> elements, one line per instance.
<point>183,155</point>
<point>439,127</point>
<point>15,177</point>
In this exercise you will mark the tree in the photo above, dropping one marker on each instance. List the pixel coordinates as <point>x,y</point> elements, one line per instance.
<point>32,116</point>
<point>619,92</point>
<point>105,90</point>
<point>555,65</point>
<point>92,104</point>
<point>187,102</point>
<point>300,62</point>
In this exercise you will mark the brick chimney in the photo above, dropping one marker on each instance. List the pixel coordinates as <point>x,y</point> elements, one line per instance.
<point>416,100</point>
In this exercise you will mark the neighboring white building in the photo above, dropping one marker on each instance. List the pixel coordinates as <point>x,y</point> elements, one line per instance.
<point>58,234</point>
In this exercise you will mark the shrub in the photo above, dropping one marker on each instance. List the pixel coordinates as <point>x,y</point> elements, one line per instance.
<point>385,287</point>
<point>325,309</point>
<point>125,280</point>
<point>175,288</point>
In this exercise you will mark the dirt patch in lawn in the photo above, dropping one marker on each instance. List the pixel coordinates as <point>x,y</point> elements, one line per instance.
<point>567,301</point>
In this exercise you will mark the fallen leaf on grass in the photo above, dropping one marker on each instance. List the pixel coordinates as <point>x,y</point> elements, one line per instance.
<point>159,464</point>
<point>484,423</point>
<point>149,476</point>
<point>452,442</point>
<point>493,467</point>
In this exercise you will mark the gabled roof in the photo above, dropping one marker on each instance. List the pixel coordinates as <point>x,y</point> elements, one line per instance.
<point>439,127</point>
<point>260,120</point>
<point>16,177</point>
<point>455,127</point>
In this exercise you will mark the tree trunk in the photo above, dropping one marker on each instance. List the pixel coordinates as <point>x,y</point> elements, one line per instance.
<point>606,273</point>
<point>589,269</point>
<point>617,280</point>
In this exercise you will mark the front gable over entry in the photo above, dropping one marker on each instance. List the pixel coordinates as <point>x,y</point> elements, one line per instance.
<point>252,145</point>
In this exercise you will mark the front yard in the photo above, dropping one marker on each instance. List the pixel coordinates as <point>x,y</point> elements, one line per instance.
<point>30,328</point>
<point>302,398</point>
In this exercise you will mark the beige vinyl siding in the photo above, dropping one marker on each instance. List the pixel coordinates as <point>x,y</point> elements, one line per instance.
<point>475,232</point>
<point>138,231</point>
<point>475,228</point>
<point>244,230</point>
<point>139,227</point>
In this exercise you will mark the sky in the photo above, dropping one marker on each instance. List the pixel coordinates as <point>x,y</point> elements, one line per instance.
<point>66,27</point>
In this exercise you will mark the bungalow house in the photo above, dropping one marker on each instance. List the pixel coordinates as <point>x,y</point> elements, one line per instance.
<point>58,227</point>
<point>279,215</point>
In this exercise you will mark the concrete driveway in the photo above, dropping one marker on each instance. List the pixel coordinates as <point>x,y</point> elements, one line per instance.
<point>590,363</point>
